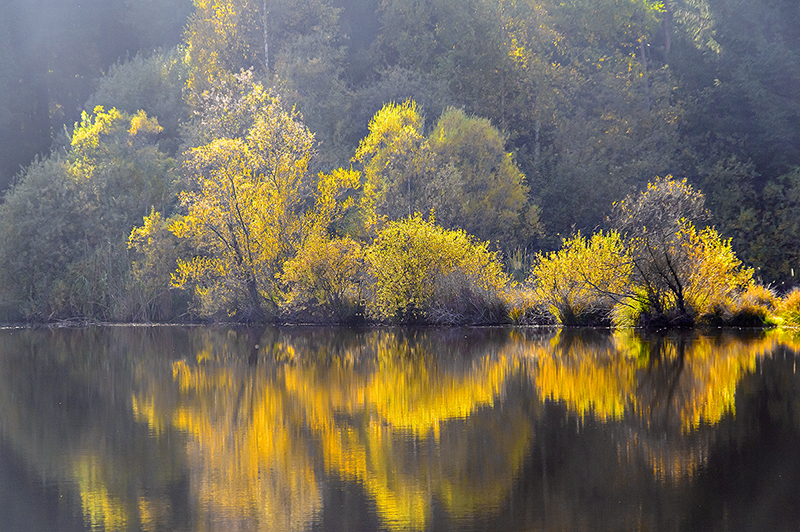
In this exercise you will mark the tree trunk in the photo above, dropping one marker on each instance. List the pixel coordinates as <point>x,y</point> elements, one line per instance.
<point>665,24</point>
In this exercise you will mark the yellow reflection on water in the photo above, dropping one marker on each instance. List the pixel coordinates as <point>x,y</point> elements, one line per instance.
<point>589,376</point>
<point>667,380</point>
<point>249,468</point>
<point>656,385</point>
<point>101,510</point>
<point>404,425</point>
<point>406,401</point>
<point>415,429</point>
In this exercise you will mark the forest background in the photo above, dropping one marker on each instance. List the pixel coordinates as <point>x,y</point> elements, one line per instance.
<point>323,127</point>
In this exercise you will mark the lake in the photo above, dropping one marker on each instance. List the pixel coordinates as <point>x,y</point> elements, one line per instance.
<point>321,429</point>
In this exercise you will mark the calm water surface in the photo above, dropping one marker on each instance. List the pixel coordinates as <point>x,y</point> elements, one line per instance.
<point>216,429</point>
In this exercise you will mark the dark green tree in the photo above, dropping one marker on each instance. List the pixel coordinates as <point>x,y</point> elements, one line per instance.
<point>64,226</point>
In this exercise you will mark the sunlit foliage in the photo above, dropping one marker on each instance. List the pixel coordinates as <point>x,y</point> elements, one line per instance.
<point>717,274</point>
<point>398,163</point>
<point>491,193</point>
<point>152,83</point>
<point>423,272</point>
<point>461,172</point>
<point>223,37</point>
<point>789,309</point>
<point>253,209</point>
<point>326,274</point>
<point>583,281</point>
<point>243,220</point>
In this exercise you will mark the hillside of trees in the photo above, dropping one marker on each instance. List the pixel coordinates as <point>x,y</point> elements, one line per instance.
<point>467,161</point>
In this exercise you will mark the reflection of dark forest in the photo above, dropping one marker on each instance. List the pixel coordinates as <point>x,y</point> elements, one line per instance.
<point>196,428</point>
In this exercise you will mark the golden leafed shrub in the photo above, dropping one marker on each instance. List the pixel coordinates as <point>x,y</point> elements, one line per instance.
<point>421,271</point>
<point>325,278</point>
<point>581,282</point>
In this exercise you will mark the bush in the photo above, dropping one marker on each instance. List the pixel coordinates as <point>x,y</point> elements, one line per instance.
<point>714,274</point>
<point>421,272</point>
<point>324,280</point>
<point>752,308</point>
<point>63,226</point>
<point>523,307</point>
<point>582,282</point>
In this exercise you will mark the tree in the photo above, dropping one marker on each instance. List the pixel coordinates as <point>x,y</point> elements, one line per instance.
<point>682,271</point>
<point>461,172</point>
<point>582,282</point>
<point>763,223</point>
<point>599,115</point>
<point>310,72</point>
<point>716,275</point>
<point>226,36</point>
<point>398,162</point>
<point>326,274</point>
<point>491,191</point>
<point>64,225</point>
<point>242,212</point>
<point>153,83</point>
<point>738,63</point>
<point>52,53</point>
<point>223,37</point>
<point>251,205</point>
<point>155,255</point>
<point>325,279</point>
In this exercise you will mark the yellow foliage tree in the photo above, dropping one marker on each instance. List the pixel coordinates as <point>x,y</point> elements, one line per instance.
<point>397,163</point>
<point>243,213</point>
<point>326,272</point>
<point>461,171</point>
<point>253,213</point>
<point>716,274</point>
<point>223,36</point>
<point>157,251</point>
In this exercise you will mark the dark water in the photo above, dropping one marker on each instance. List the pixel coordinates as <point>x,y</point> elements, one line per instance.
<point>201,429</point>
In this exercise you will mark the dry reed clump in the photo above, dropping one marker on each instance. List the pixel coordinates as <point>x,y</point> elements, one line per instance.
<point>788,309</point>
<point>524,308</point>
<point>752,308</point>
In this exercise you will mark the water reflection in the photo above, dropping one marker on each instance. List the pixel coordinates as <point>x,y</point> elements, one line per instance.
<point>291,429</point>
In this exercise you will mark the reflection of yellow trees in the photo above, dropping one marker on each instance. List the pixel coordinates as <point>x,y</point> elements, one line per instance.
<point>409,395</point>
<point>101,510</point>
<point>111,512</point>
<point>252,469</point>
<point>666,380</point>
<point>57,412</point>
<point>710,370</point>
<point>655,385</point>
<point>406,427</point>
<point>409,423</point>
<point>588,376</point>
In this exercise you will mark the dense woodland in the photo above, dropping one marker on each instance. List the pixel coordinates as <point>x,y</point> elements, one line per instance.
<point>460,161</point>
